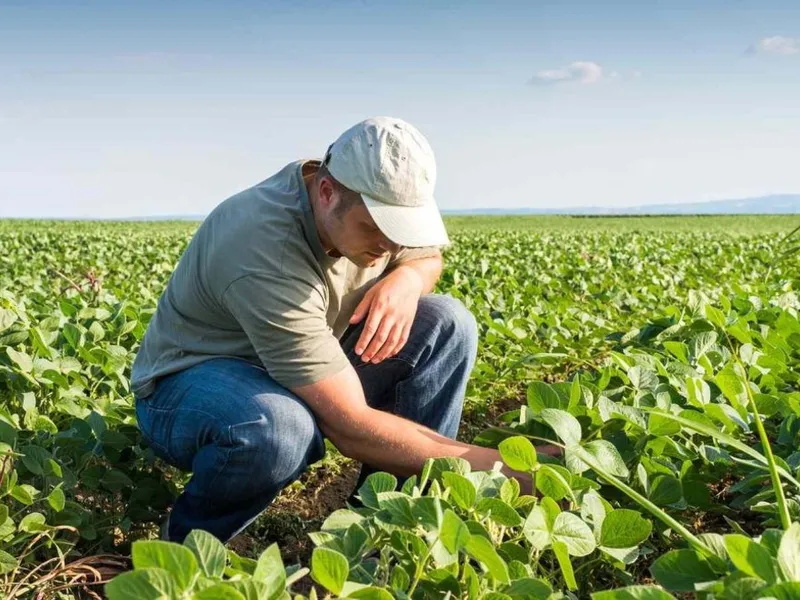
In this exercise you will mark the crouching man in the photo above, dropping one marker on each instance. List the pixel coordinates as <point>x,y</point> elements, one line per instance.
<point>302,309</point>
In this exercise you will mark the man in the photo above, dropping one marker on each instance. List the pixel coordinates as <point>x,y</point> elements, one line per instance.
<point>300,310</point>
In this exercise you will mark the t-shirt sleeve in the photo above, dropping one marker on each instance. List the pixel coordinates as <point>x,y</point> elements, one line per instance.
<point>284,319</point>
<point>407,254</point>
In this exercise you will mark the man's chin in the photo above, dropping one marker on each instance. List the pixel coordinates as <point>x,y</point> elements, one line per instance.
<point>366,260</point>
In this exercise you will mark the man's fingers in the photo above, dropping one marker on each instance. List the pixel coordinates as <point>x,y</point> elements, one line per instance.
<point>392,345</point>
<point>402,341</point>
<point>378,340</point>
<point>374,318</point>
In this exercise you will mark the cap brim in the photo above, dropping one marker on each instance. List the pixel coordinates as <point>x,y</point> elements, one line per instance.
<point>409,226</point>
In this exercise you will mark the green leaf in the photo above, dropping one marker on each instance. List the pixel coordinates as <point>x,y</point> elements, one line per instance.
<point>270,571</point>
<point>529,588</point>
<point>605,454</point>
<point>658,425</point>
<point>209,552</point>
<point>541,396</point>
<point>371,593</point>
<point>44,423</point>
<point>220,591</point>
<point>23,493</point>
<point>634,592</point>
<point>7,562</point>
<point>703,342</point>
<point>551,483</point>
<point>398,506</point>
<point>462,490</point>
<point>56,500</point>
<point>373,485</point>
<point>538,527</point>
<point>33,522</point>
<point>250,589</point>
<point>7,318</point>
<point>454,533</point>
<point>499,512</point>
<point>509,491</point>
<point>329,568</point>
<point>177,560</point>
<point>564,424</point>
<point>665,489</point>
<point>680,570</point>
<point>340,520</point>
<point>562,556</point>
<point>623,528</point>
<point>751,558</point>
<point>518,453</point>
<point>729,381</point>
<point>21,359</point>
<point>789,553</point>
<point>482,550</point>
<point>574,534</point>
<point>142,584</point>
<point>788,590</point>
<point>354,540</point>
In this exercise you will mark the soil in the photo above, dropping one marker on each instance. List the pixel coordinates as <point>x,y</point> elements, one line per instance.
<point>299,510</point>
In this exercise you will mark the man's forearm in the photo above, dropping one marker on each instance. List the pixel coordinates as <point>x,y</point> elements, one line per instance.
<point>391,443</point>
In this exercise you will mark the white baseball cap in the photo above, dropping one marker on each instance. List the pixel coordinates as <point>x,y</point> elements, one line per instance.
<point>390,163</point>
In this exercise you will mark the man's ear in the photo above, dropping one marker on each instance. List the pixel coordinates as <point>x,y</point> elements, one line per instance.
<point>327,193</point>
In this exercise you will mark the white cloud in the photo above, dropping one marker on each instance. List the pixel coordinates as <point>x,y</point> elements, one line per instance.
<point>579,71</point>
<point>778,44</point>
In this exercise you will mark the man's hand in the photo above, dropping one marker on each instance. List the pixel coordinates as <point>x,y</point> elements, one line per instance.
<point>390,307</point>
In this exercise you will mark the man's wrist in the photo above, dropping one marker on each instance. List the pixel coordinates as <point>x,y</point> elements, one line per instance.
<point>413,275</point>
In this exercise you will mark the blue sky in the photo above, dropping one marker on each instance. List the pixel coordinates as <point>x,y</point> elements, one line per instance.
<point>115,109</point>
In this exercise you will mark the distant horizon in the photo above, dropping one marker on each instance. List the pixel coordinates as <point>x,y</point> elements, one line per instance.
<point>716,207</point>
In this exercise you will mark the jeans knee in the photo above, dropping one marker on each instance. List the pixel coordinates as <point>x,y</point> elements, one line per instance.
<point>454,318</point>
<point>280,445</point>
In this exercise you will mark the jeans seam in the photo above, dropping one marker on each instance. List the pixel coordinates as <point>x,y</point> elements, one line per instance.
<point>392,358</point>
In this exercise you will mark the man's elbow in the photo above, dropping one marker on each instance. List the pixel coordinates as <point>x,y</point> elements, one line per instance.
<point>345,442</point>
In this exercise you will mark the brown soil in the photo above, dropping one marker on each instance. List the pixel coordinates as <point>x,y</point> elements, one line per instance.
<point>299,510</point>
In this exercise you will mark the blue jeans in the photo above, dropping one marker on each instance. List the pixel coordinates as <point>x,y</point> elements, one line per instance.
<point>244,437</point>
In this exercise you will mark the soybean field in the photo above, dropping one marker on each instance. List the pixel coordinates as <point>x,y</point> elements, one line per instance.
<point>661,353</point>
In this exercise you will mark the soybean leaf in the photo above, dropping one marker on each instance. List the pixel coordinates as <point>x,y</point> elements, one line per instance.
<point>518,453</point>
<point>209,551</point>
<point>789,553</point>
<point>564,424</point>
<point>623,528</point>
<point>143,584</point>
<point>574,534</point>
<point>751,558</point>
<point>482,550</point>
<point>454,533</point>
<point>329,569</point>
<point>178,560</point>
<point>680,570</point>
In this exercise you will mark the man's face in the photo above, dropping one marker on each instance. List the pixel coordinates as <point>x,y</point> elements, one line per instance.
<point>354,235</point>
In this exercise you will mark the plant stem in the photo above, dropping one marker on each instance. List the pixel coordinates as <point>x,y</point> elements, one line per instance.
<point>654,510</point>
<point>783,509</point>
<point>419,569</point>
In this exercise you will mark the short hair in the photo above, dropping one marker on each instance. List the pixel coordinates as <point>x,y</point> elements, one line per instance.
<point>348,196</point>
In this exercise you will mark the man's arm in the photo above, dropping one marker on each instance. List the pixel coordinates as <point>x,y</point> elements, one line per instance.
<point>383,440</point>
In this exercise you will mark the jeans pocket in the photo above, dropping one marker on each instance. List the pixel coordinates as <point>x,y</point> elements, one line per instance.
<point>145,416</point>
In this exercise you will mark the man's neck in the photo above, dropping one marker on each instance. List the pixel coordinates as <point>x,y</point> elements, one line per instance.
<point>313,198</point>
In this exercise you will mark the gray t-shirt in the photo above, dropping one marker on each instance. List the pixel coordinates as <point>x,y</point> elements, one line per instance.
<point>255,283</point>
